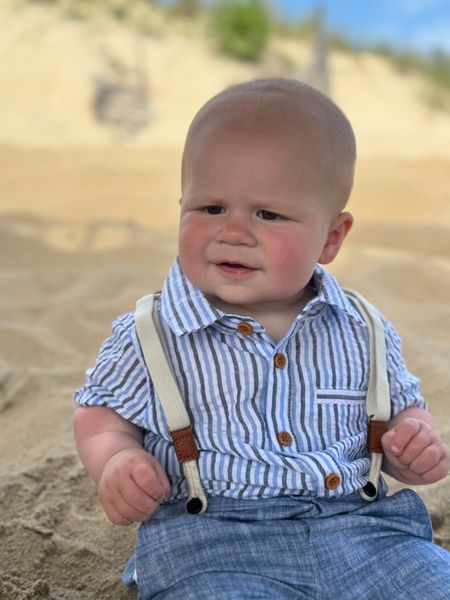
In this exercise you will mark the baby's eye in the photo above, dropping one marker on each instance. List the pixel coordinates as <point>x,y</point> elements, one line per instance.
<point>268,215</point>
<point>214,209</point>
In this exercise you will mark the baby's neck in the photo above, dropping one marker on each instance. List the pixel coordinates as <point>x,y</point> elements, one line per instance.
<point>277,323</point>
<point>275,318</point>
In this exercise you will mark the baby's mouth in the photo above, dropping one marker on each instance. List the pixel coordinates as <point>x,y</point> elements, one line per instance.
<point>235,268</point>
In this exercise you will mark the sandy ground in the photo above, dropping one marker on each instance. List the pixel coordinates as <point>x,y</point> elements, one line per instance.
<point>88,225</point>
<point>64,280</point>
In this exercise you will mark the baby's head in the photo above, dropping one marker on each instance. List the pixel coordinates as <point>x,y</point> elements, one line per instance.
<point>289,113</point>
<point>267,169</point>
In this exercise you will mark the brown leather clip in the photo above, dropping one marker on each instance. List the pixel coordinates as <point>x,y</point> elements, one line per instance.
<point>184,442</point>
<point>376,431</point>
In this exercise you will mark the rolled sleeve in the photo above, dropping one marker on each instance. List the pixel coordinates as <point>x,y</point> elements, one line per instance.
<point>404,387</point>
<point>119,380</point>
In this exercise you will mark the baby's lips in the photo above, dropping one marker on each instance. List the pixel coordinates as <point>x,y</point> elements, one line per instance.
<point>234,266</point>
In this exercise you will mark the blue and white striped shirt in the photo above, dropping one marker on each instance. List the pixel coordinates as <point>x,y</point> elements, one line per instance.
<point>240,401</point>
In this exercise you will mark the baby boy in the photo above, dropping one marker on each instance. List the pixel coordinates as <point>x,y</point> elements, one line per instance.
<point>272,361</point>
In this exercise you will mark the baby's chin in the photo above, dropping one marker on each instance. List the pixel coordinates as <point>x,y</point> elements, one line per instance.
<point>232,302</point>
<point>245,303</point>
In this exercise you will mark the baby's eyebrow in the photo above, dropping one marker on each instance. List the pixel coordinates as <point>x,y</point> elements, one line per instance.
<point>272,204</point>
<point>210,198</point>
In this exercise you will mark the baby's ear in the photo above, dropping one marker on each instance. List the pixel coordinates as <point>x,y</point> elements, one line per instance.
<point>336,235</point>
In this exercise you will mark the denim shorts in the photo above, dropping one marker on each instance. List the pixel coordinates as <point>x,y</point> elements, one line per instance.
<point>292,548</point>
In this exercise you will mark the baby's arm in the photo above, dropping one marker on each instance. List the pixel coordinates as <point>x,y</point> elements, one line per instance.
<point>130,481</point>
<point>414,452</point>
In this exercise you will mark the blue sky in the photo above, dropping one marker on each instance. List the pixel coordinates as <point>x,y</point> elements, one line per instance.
<point>419,24</point>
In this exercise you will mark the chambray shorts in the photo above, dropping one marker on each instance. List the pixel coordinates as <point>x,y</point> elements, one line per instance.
<point>292,548</point>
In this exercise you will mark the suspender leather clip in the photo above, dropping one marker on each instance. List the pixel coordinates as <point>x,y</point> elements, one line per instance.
<point>376,431</point>
<point>184,442</point>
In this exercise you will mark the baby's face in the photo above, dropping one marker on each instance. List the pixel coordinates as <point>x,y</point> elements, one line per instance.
<point>253,220</point>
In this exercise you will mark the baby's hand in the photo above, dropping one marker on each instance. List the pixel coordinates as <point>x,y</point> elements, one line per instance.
<point>131,486</point>
<point>415,453</point>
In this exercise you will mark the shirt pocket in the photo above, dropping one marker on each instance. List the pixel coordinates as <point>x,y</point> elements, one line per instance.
<point>341,414</point>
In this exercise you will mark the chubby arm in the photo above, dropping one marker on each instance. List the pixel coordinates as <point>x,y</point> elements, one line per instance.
<point>130,481</point>
<point>414,452</point>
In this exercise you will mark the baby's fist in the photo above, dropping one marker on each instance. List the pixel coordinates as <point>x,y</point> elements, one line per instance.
<point>131,487</point>
<point>415,452</point>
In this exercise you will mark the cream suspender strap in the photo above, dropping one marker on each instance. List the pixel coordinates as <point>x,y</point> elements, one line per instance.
<point>152,344</point>
<point>378,402</point>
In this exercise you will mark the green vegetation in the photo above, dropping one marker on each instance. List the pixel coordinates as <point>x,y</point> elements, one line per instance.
<point>301,30</point>
<point>242,27</point>
<point>84,9</point>
<point>434,68</point>
<point>144,16</point>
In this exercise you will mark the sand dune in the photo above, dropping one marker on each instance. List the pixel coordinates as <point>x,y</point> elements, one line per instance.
<point>52,67</point>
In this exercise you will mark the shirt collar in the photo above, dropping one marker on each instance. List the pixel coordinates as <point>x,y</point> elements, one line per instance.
<point>329,291</point>
<point>186,310</point>
<point>183,306</point>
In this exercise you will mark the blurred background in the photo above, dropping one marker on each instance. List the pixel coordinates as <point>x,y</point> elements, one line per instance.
<point>95,100</point>
<point>96,97</point>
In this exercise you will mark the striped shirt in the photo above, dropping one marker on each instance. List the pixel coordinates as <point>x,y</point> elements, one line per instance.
<point>269,419</point>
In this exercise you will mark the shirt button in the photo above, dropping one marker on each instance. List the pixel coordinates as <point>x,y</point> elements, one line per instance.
<point>332,481</point>
<point>284,438</point>
<point>280,360</point>
<point>245,328</point>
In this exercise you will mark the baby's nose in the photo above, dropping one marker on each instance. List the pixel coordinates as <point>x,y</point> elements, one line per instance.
<point>236,231</point>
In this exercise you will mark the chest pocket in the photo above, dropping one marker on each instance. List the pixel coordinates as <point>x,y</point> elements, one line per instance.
<point>340,414</point>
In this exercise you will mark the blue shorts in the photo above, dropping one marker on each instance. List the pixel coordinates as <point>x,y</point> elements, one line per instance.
<point>292,548</point>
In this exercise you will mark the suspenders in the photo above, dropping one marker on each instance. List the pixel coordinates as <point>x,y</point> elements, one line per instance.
<point>153,348</point>
<point>378,401</point>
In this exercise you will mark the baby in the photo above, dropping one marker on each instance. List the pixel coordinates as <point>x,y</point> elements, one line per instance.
<point>271,358</point>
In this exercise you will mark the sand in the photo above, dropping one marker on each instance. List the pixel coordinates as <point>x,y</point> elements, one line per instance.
<point>88,225</point>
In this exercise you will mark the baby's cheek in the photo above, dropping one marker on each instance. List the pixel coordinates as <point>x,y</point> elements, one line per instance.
<point>285,253</point>
<point>189,251</point>
<point>292,265</point>
<point>191,236</point>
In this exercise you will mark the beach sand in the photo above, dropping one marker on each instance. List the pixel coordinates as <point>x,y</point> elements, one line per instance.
<point>87,226</point>
<point>62,283</point>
